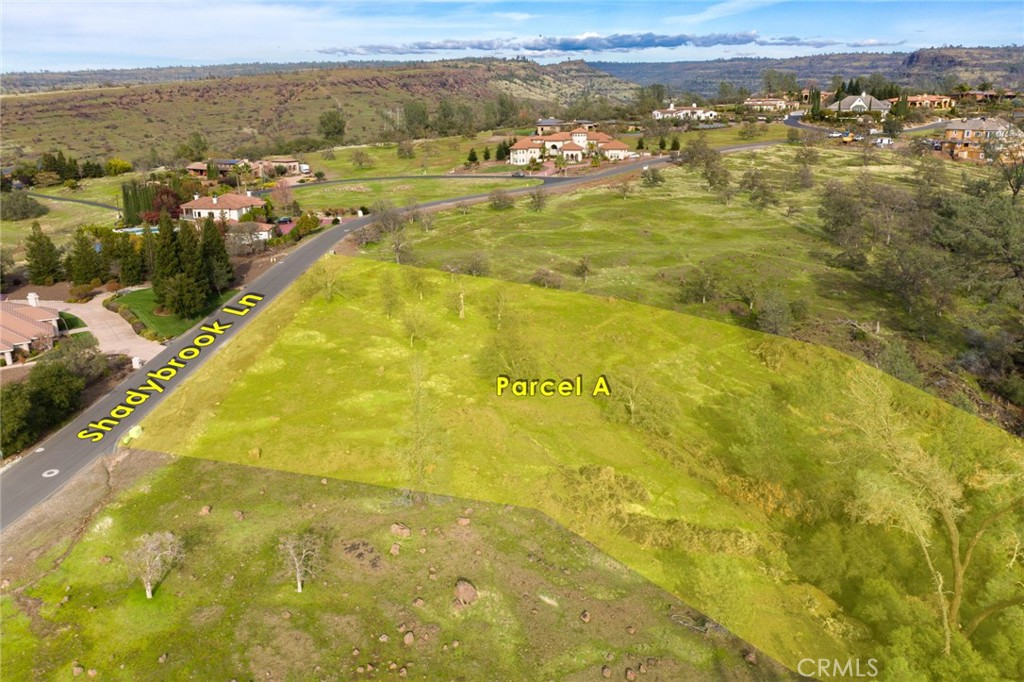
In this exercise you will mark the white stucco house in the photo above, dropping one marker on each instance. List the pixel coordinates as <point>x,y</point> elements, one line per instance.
<point>224,207</point>
<point>691,113</point>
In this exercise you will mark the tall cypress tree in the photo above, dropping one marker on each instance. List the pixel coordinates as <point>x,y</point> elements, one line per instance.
<point>219,272</point>
<point>83,263</point>
<point>166,261</point>
<point>43,258</point>
<point>191,255</point>
<point>148,252</point>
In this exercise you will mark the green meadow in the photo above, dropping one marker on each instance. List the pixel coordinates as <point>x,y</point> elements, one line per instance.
<point>712,470</point>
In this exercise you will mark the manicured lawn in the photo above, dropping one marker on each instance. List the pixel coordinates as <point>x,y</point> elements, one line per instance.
<point>738,406</point>
<point>72,321</point>
<point>103,190</point>
<point>59,223</point>
<point>143,304</point>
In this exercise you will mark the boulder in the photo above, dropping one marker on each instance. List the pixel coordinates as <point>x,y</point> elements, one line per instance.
<point>463,521</point>
<point>205,511</point>
<point>750,657</point>
<point>395,549</point>
<point>401,530</point>
<point>409,638</point>
<point>585,616</point>
<point>465,592</point>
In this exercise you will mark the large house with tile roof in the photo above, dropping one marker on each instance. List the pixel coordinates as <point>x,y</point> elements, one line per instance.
<point>690,113</point>
<point>967,138</point>
<point>223,207</point>
<point>26,328</point>
<point>860,104</point>
<point>573,146</point>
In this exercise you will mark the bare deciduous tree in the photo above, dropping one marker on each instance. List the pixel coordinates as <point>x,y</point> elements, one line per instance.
<point>153,557</point>
<point>301,555</point>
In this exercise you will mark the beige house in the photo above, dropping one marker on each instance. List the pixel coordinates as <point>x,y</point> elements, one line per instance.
<point>768,104</point>
<point>224,207</point>
<point>573,146</point>
<point>690,113</point>
<point>966,139</point>
<point>26,327</point>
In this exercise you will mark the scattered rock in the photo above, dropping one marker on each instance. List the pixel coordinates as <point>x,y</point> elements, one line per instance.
<point>455,644</point>
<point>609,656</point>
<point>240,515</point>
<point>465,592</point>
<point>463,521</point>
<point>642,668</point>
<point>64,600</point>
<point>409,638</point>
<point>5,583</point>
<point>369,667</point>
<point>392,665</point>
<point>478,552</point>
<point>105,559</point>
<point>401,530</point>
<point>395,549</point>
<point>77,670</point>
<point>402,672</point>
<point>652,661</point>
<point>360,669</point>
<point>630,629</point>
<point>401,627</point>
<point>92,672</point>
<point>750,657</point>
<point>585,616</point>
<point>630,674</point>
<point>286,615</point>
<point>423,550</point>
<point>355,652</point>
<point>162,659</point>
<point>417,602</point>
<point>468,511</point>
<point>205,511</point>
<point>323,481</point>
<point>433,576</point>
<point>255,453</point>
<point>383,638</point>
<point>606,671</point>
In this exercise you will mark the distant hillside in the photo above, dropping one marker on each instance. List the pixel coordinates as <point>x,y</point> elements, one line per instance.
<point>930,69</point>
<point>151,120</point>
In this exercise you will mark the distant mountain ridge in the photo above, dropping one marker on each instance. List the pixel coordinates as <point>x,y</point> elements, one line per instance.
<point>930,69</point>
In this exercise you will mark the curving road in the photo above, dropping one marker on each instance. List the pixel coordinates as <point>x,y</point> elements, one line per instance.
<point>33,478</point>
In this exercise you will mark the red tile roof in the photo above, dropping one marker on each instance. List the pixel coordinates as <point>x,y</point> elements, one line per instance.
<point>527,144</point>
<point>615,144</point>
<point>571,147</point>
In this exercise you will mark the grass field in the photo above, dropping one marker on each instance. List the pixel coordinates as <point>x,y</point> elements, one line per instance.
<point>59,223</point>
<point>230,610</point>
<point>712,391</point>
<point>717,137</point>
<point>143,304</point>
<point>72,321</point>
<point>398,192</point>
<point>103,190</point>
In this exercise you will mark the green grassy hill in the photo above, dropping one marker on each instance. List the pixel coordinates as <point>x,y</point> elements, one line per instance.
<point>231,611</point>
<point>728,467</point>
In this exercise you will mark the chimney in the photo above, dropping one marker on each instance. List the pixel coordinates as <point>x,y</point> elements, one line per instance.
<point>671,106</point>
<point>215,200</point>
<point>694,105</point>
<point>33,299</point>
<point>195,196</point>
<point>248,192</point>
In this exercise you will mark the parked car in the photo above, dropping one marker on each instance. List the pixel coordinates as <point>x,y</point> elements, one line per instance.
<point>518,174</point>
<point>884,142</point>
<point>858,138</point>
<point>835,133</point>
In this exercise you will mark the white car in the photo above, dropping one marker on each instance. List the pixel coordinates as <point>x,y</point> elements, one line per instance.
<point>835,133</point>
<point>884,142</point>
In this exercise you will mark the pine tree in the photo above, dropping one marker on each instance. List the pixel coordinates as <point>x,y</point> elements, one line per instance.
<point>133,269</point>
<point>43,257</point>
<point>191,255</point>
<point>501,151</point>
<point>472,158</point>
<point>184,296</point>
<point>675,144</point>
<point>166,260</point>
<point>83,263</point>
<point>640,144</point>
<point>487,153</point>
<point>219,272</point>
<point>815,104</point>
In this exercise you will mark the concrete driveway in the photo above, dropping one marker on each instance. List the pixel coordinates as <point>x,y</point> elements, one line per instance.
<point>112,332</point>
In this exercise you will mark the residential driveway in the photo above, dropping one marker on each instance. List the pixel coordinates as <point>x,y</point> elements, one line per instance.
<point>110,329</point>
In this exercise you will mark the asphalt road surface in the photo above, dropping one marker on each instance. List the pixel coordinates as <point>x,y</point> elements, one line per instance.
<point>38,475</point>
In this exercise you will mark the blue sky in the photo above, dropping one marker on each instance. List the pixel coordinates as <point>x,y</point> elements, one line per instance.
<point>50,35</point>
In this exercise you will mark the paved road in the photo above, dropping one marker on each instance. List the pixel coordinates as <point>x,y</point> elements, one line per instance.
<point>33,478</point>
<point>85,202</point>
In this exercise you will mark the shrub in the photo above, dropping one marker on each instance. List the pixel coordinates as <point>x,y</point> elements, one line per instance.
<point>18,205</point>
<point>652,177</point>
<point>547,279</point>
<point>501,200</point>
